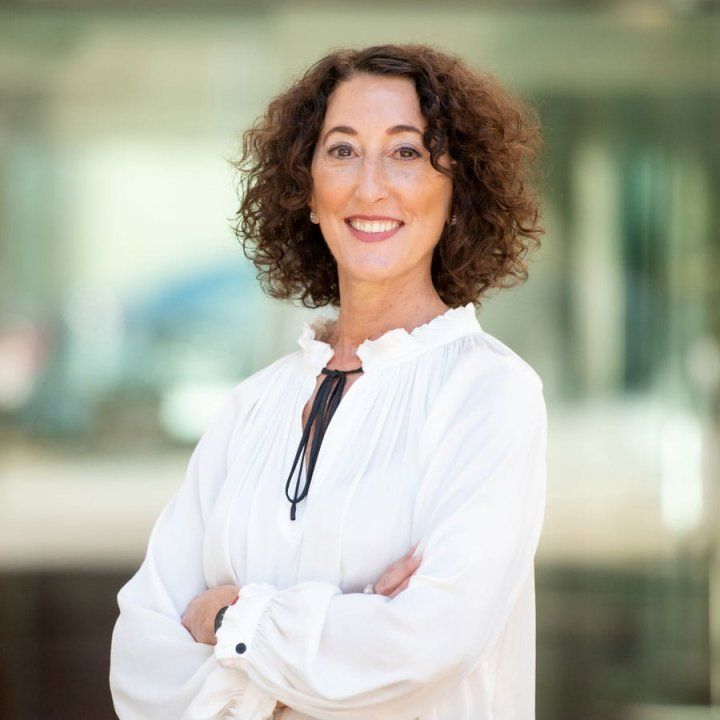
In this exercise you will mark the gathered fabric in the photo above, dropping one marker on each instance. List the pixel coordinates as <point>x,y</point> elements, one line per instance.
<point>440,443</point>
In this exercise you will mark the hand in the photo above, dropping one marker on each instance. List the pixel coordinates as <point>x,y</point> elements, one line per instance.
<point>199,617</point>
<point>395,579</point>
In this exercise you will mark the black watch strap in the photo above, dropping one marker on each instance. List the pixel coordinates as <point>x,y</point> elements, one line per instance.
<point>219,617</point>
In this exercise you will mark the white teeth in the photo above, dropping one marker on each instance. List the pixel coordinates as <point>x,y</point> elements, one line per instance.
<point>374,226</point>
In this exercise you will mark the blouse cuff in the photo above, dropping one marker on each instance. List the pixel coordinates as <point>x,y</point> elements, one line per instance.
<point>236,634</point>
<point>253,704</point>
<point>230,695</point>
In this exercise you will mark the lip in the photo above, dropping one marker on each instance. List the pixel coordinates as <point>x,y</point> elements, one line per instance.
<point>373,237</point>
<point>372,217</point>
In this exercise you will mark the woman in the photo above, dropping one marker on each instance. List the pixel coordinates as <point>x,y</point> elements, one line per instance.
<point>401,445</point>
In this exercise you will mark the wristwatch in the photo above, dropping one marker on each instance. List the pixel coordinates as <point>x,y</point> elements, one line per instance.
<point>219,617</point>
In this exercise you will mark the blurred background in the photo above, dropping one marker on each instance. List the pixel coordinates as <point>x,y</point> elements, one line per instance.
<point>128,311</point>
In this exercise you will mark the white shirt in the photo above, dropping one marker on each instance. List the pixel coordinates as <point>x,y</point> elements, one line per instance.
<point>441,440</point>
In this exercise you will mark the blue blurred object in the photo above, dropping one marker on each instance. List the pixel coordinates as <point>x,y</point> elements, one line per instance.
<point>190,331</point>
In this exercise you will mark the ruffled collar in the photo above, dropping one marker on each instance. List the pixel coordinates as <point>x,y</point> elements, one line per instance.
<point>393,346</point>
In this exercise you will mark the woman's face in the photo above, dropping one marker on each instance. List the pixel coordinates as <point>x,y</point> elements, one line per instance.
<point>371,171</point>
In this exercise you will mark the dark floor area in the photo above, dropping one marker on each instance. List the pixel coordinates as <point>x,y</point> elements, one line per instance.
<point>605,639</point>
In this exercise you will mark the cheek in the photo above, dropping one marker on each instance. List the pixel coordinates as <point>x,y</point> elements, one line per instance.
<point>331,185</point>
<point>439,191</point>
<point>427,192</point>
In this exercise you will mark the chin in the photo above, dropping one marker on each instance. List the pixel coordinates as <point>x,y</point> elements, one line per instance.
<point>366,274</point>
<point>369,263</point>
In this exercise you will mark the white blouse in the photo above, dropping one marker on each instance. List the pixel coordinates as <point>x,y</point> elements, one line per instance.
<point>441,440</point>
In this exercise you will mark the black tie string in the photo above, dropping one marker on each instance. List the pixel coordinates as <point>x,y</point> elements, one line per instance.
<point>323,408</point>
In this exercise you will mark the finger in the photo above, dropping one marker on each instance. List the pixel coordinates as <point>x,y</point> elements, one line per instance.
<point>412,549</point>
<point>403,585</point>
<point>411,566</point>
<point>389,581</point>
<point>399,563</point>
<point>396,575</point>
<point>400,573</point>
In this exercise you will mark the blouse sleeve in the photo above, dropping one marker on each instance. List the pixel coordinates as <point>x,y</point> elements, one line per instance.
<point>478,515</point>
<point>156,667</point>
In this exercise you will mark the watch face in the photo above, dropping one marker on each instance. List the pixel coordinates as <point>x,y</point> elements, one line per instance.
<point>219,617</point>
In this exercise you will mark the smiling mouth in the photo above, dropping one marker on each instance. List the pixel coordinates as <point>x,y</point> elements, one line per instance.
<point>373,231</point>
<point>374,226</point>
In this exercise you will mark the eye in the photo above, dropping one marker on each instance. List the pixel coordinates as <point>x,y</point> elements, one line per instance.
<point>338,151</point>
<point>412,150</point>
<point>340,147</point>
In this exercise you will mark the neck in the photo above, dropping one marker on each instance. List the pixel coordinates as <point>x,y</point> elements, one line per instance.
<point>366,313</point>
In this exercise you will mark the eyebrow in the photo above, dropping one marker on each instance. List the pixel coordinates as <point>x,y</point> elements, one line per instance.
<point>391,131</point>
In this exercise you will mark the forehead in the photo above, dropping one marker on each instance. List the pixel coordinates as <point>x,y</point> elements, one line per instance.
<point>374,101</point>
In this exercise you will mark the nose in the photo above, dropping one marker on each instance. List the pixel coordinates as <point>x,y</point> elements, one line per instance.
<point>371,181</point>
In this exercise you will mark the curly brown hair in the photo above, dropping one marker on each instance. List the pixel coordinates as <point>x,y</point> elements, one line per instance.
<point>493,136</point>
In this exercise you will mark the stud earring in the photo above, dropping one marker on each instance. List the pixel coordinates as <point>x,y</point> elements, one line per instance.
<point>453,220</point>
<point>313,217</point>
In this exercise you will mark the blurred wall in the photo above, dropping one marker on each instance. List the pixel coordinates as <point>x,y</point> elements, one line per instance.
<point>127,311</point>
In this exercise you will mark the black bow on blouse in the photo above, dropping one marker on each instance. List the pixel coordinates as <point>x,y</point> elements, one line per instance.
<point>323,408</point>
